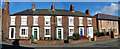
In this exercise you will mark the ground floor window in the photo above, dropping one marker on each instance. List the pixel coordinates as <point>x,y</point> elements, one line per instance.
<point>102,30</point>
<point>71,31</point>
<point>109,30</point>
<point>24,31</point>
<point>47,31</point>
<point>12,33</point>
<point>115,30</point>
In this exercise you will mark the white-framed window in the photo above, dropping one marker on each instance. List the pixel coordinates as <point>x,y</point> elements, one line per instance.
<point>24,31</point>
<point>47,32</point>
<point>80,21</point>
<point>47,20</point>
<point>59,20</point>
<point>23,20</point>
<point>109,30</point>
<point>35,20</point>
<point>12,20</point>
<point>71,31</point>
<point>108,22</point>
<point>115,30</point>
<point>71,21</point>
<point>89,21</point>
<point>12,33</point>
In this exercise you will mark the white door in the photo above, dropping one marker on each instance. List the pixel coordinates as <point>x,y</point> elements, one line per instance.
<point>90,32</point>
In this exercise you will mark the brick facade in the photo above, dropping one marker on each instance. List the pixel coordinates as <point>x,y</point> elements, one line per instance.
<point>102,24</point>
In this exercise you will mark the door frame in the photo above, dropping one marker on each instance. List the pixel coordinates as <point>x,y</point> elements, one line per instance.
<point>82,29</point>
<point>37,32</point>
<point>10,33</point>
<point>61,32</point>
<point>88,31</point>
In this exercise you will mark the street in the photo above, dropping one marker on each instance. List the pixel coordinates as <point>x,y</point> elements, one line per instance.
<point>111,44</point>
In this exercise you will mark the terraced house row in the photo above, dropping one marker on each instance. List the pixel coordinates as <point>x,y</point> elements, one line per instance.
<point>53,23</point>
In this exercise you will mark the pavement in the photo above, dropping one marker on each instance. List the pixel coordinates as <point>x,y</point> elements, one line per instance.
<point>104,43</point>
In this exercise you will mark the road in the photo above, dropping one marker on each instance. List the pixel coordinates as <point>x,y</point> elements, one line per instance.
<point>106,44</point>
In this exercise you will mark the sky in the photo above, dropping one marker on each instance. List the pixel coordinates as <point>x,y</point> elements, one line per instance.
<point>110,8</point>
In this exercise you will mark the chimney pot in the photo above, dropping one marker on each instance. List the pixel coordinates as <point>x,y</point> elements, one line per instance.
<point>72,7</point>
<point>33,6</point>
<point>53,6</point>
<point>87,11</point>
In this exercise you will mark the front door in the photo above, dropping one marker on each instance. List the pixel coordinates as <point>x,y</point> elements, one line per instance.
<point>60,33</point>
<point>90,32</point>
<point>35,33</point>
<point>81,32</point>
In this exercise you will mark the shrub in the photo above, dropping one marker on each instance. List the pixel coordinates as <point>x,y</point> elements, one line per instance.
<point>32,39</point>
<point>41,38</point>
<point>45,38</point>
<point>49,38</point>
<point>76,36</point>
<point>92,39</point>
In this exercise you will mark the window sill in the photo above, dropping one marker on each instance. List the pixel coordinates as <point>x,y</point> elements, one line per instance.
<point>47,36</point>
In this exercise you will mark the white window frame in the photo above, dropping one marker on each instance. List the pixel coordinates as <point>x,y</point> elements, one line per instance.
<point>88,22</point>
<point>47,20</point>
<point>45,31</point>
<point>58,22</point>
<point>21,32</point>
<point>70,32</point>
<point>61,32</point>
<point>24,20</point>
<point>80,21</point>
<point>12,23</point>
<point>82,29</point>
<point>10,33</point>
<point>71,23</point>
<point>34,17</point>
<point>37,32</point>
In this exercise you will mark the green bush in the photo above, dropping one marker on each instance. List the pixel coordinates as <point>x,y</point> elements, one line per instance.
<point>76,36</point>
<point>92,39</point>
<point>45,38</point>
<point>41,38</point>
<point>32,38</point>
<point>53,38</point>
<point>49,38</point>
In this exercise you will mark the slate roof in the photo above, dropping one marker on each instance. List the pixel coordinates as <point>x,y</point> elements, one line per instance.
<point>106,16</point>
<point>58,12</point>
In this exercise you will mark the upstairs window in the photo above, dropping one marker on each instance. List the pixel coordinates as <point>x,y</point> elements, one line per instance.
<point>71,21</point>
<point>35,20</point>
<point>114,22</point>
<point>47,20</point>
<point>108,22</point>
<point>59,20</point>
<point>80,21</point>
<point>89,21</point>
<point>12,20</point>
<point>23,20</point>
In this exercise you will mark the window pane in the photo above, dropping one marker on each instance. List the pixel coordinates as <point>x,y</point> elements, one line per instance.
<point>47,32</point>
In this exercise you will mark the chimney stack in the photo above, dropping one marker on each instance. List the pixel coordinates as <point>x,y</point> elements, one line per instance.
<point>87,11</point>
<point>53,6</point>
<point>72,8</point>
<point>33,6</point>
<point>6,5</point>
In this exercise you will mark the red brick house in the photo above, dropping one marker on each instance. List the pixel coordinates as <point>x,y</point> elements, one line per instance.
<point>46,23</point>
<point>106,23</point>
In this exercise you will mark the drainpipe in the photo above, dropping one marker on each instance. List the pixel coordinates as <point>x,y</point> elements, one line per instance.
<point>54,28</point>
<point>1,22</point>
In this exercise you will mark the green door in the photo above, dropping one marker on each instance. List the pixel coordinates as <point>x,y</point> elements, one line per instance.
<point>35,33</point>
<point>59,33</point>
